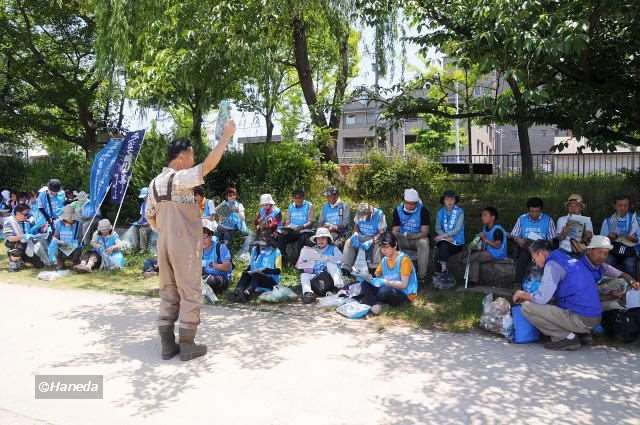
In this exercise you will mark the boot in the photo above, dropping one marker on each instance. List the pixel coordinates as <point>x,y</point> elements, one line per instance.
<point>188,349</point>
<point>168,340</point>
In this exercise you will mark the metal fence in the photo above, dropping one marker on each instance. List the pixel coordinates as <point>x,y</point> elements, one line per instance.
<point>555,164</point>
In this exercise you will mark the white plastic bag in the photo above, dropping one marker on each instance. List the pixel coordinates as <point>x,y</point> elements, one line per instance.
<point>278,294</point>
<point>208,294</point>
<point>496,316</point>
<point>53,275</point>
<point>332,301</point>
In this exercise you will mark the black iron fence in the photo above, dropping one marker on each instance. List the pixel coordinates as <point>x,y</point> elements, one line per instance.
<point>555,164</point>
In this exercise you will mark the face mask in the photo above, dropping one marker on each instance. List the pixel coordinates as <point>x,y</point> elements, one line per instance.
<point>408,211</point>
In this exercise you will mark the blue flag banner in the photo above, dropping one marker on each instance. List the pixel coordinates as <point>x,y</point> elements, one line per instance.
<point>124,165</point>
<point>101,171</point>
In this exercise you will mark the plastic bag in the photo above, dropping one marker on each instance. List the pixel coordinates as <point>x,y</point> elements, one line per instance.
<point>523,331</point>
<point>208,294</point>
<point>496,316</point>
<point>353,310</point>
<point>130,240</point>
<point>332,300</point>
<point>277,295</point>
<point>532,281</point>
<point>53,275</point>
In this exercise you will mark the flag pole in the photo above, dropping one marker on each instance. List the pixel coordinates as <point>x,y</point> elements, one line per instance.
<point>128,181</point>
<point>96,212</point>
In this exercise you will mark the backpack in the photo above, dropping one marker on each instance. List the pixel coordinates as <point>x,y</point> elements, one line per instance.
<point>218,260</point>
<point>322,283</point>
<point>623,325</point>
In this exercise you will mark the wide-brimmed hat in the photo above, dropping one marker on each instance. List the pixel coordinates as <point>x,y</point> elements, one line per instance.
<point>322,232</point>
<point>68,213</point>
<point>104,225</point>
<point>599,241</point>
<point>266,199</point>
<point>209,225</point>
<point>143,193</point>
<point>411,195</point>
<point>449,194</point>
<point>575,198</point>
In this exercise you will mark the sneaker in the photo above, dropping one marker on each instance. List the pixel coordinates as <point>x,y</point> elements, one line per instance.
<point>586,339</point>
<point>308,297</point>
<point>377,309</point>
<point>564,344</point>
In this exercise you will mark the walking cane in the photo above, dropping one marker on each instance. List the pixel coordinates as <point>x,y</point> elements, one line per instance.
<point>467,268</point>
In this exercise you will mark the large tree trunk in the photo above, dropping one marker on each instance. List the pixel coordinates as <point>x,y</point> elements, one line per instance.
<point>196,125</point>
<point>523,129</point>
<point>269,120</point>
<point>303,68</point>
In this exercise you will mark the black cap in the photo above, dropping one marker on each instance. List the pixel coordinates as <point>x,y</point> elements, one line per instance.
<point>54,185</point>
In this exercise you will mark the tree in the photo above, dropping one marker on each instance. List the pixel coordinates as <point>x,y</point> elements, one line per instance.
<point>49,88</point>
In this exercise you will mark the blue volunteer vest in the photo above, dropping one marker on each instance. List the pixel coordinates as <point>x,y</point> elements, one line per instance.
<point>500,252</point>
<point>534,229</point>
<point>299,215</point>
<point>578,291</point>
<point>409,223</point>
<point>320,266</point>
<point>265,259</point>
<point>69,234</point>
<point>621,226</point>
<point>57,203</point>
<point>370,227</point>
<point>209,256</point>
<point>394,274</point>
<point>208,209</point>
<point>272,214</point>
<point>448,220</point>
<point>333,214</point>
<point>107,242</point>
<point>232,221</point>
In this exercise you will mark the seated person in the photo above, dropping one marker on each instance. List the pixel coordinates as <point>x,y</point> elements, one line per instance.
<point>50,202</point>
<point>396,282</point>
<point>216,260</point>
<point>622,230</point>
<point>529,227</point>
<point>450,230</point>
<point>411,229</point>
<point>70,196</point>
<point>369,224</point>
<point>207,206</point>
<point>296,227</point>
<point>493,244</point>
<point>268,217</point>
<point>65,243</point>
<point>231,219</point>
<point>106,250</point>
<point>331,257</point>
<point>335,215</point>
<point>574,230</point>
<point>573,284</point>
<point>263,272</point>
<point>150,267</point>
<point>141,229</point>
<point>17,234</point>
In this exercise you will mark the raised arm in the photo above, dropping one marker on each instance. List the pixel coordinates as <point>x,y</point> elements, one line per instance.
<point>214,157</point>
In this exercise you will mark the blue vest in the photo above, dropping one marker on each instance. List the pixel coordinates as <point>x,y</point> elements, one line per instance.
<point>534,229</point>
<point>209,256</point>
<point>69,234</point>
<point>394,274</point>
<point>409,223</point>
<point>273,214</point>
<point>371,226</point>
<point>233,221</point>
<point>578,291</point>
<point>333,215</point>
<point>143,217</point>
<point>208,209</point>
<point>265,259</point>
<point>57,203</point>
<point>622,226</point>
<point>107,242</point>
<point>299,215</point>
<point>448,222</point>
<point>500,252</point>
<point>320,266</point>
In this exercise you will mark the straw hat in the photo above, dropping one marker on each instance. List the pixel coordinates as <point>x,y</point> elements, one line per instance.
<point>321,232</point>
<point>575,198</point>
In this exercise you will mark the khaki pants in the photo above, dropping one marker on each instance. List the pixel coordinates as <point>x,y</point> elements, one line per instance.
<point>556,322</point>
<point>476,260</point>
<point>179,262</point>
<point>422,248</point>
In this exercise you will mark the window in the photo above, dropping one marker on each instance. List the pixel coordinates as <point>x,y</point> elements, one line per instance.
<point>353,143</point>
<point>410,138</point>
<point>350,119</point>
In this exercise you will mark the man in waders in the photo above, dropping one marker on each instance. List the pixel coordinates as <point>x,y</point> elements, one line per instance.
<point>173,213</point>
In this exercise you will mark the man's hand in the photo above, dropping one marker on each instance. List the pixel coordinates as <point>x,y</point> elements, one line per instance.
<point>634,284</point>
<point>564,233</point>
<point>214,157</point>
<point>520,296</point>
<point>612,236</point>
<point>229,130</point>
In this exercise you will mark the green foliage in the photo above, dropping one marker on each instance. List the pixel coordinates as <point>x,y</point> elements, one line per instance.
<point>383,180</point>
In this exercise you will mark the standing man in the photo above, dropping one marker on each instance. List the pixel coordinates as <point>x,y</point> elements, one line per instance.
<point>173,213</point>
<point>411,229</point>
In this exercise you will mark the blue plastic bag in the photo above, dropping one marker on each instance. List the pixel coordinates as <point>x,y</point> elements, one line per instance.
<point>523,331</point>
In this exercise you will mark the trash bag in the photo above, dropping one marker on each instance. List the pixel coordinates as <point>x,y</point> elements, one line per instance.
<point>532,282</point>
<point>523,331</point>
<point>277,295</point>
<point>208,294</point>
<point>332,300</point>
<point>353,310</point>
<point>496,316</point>
<point>53,275</point>
<point>130,239</point>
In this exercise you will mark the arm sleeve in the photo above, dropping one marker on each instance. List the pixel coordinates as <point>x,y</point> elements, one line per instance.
<point>498,235</point>
<point>553,273</point>
<point>383,223</point>
<point>634,225</point>
<point>459,225</point>
<point>589,225</point>
<point>150,209</point>
<point>396,218</point>
<point>551,233</point>
<point>515,232</point>
<point>346,216</point>
<point>189,178</point>
<point>406,267</point>
<point>225,255</point>
<point>611,271</point>
<point>425,217</point>
<point>379,269</point>
<point>604,229</point>
<point>439,228</point>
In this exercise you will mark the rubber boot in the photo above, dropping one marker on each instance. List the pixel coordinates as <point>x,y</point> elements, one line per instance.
<point>168,340</point>
<point>188,349</point>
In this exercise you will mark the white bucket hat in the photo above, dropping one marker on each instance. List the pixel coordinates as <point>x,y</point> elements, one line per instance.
<point>68,213</point>
<point>82,196</point>
<point>104,225</point>
<point>599,241</point>
<point>411,195</point>
<point>322,232</point>
<point>209,225</point>
<point>266,199</point>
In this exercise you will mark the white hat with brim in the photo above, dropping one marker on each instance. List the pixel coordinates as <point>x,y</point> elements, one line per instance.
<point>322,232</point>
<point>411,195</point>
<point>209,225</point>
<point>266,199</point>
<point>104,225</point>
<point>601,242</point>
<point>68,213</point>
